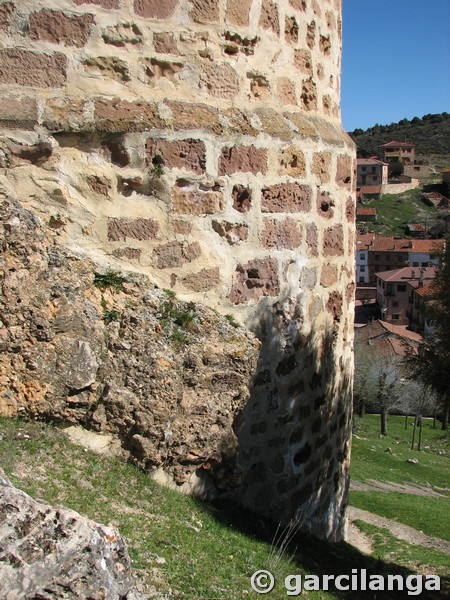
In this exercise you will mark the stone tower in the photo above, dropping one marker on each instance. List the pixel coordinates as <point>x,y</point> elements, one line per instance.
<point>199,142</point>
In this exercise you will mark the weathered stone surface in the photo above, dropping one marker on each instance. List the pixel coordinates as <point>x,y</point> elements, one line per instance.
<point>311,34</point>
<point>243,159</point>
<point>286,91</point>
<point>129,253</point>
<point>59,28</point>
<point>334,305</point>
<point>122,34</point>
<point>196,199</point>
<point>219,80</point>
<point>273,123</point>
<point>165,43</point>
<point>155,9</point>
<point>181,154</point>
<point>281,234</point>
<point>333,241</point>
<point>204,11</point>
<point>291,30</point>
<point>325,205</point>
<point>344,170</point>
<point>286,197</point>
<point>237,12</point>
<point>119,116</point>
<point>269,18</point>
<point>203,280</point>
<point>64,114</point>
<point>255,279</point>
<point>33,69</point>
<point>234,233</point>
<point>18,112</point>
<point>106,4</point>
<point>320,166</point>
<point>111,66</point>
<point>292,162</point>
<point>46,550</point>
<point>136,229</point>
<point>308,95</point>
<point>6,10</point>
<point>191,116</point>
<point>14,155</point>
<point>259,86</point>
<point>239,122</point>
<point>156,68</point>
<point>312,239</point>
<point>242,198</point>
<point>303,61</point>
<point>298,4</point>
<point>328,275</point>
<point>100,184</point>
<point>176,254</point>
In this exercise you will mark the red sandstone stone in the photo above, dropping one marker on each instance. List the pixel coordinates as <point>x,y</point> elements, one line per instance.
<point>329,275</point>
<point>65,114</point>
<point>234,233</point>
<point>6,10</point>
<point>33,69</point>
<point>220,80</point>
<point>106,4</point>
<point>189,116</point>
<point>273,123</point>
<point>286,197</point>
<point>195,199</point>
<point>239,121</point>
<point>183,154</point>
<point>286,91</point>
<point>325,44</point>
<point>320,166</point>
<point>18,112</point>
<point>243,159</point>
<point>298,4</point>
<point>202,281</point>
<point>292,162</point>
<point>344,170</point>
<point>176,254</point>
<point>309,94</point>
<point>137,229</point>
<point>325,205</point>
<point>269,18</point>
<point>334,305</point>
<point>130,253</point>
<point>238,12</point>
<point>312,239</point>
<point>255,279</point>
<point>281,234</point>
<point>165,43</point>
<point>59,28</point>
<point>204,11</point>
<point>121,116</point>
<point>242,198</point>
<point>333,241</point>
<point>99,184</point>
<point>303,61</point>
<point>291,30</point>
<point>155,9</point>
<point>182,227</point>
<point>350,209</point>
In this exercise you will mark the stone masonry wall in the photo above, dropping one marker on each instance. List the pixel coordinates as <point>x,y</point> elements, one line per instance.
<point>200,142</point>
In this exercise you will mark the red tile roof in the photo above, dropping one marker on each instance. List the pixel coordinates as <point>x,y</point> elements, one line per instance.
<point>409,275</point>
<point>366,211</point>
<point>427,291</point>
<point>397,145</point>
<point>369,161</point>
<point>369,189</point>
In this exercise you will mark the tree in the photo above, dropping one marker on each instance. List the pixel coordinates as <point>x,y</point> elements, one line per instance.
<point>431,364</point>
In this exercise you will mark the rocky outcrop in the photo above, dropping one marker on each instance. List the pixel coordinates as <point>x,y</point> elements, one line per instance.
<point>118,355</point>
<point>54,553</point>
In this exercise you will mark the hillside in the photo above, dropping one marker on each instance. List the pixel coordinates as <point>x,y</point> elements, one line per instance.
<point>430,134</point>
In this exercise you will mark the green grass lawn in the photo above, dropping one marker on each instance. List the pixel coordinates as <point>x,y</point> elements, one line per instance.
<point>394,211</point>
<point>179,546</point>
<point>371,461</point>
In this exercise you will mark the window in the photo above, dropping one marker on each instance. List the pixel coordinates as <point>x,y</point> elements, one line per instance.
<point>361,280</point>
<point>415,264</point>
<point>362,256</point>
<point>377,258</point>
<point>362,268</point>
<point>401,287</point>
<point>374,169</point>
<point>425,264</point>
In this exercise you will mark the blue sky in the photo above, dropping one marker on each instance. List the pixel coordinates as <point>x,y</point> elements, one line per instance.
<point>396,60</point>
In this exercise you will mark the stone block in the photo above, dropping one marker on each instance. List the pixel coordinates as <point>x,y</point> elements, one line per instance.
<point>291,30</point>
<point>176,254</point>
<point>281,234</point>
<point>110,66</point>
<point>285,89</point>
<point>65,114</point>
<point>286,197</point>
<point>118,116</point>
<point>311,34</point>
<point>196,199</point>
<point>325,205</point>
<point>329,275</point>
<point>106,4</point>
<point>122,34</point>
<point>99,184</point>
<point>344,170</point>
<point>309,94</point>
<point>165,43</point>
<point>274,124</point>
<point>255,279</point>
<point>219,80</point>
<point>239,122</point>
<point>128,253</point>
<point>182,227</point>
<point>33,69</point>
<point>6,10</point>
<point>320,166</point>
<point>243,159</point>
<point>238,11</point>
<point>303,61</point>
<point>234,233</point>
<point>242,198</point>
<point>334,305</point>
<point>312,241</point>
<point>203,280</point>
<point>18,112</point>
<point>333,241</point>
<point>136,229</point>
<point>155,9</point>
<point>269,18</point>
<point>204,11</point>
<point>298,4</point>
<point>58,27</point>
<point>292,162</point>
<point>192,116</point>
<point>350,210</point>
<point>181,154</point>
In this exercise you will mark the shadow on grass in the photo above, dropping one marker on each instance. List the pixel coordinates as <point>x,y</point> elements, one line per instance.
<point>311,556</point>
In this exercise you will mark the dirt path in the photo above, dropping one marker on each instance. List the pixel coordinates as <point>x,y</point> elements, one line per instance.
<point>402,488</point>
<point>400,531</point>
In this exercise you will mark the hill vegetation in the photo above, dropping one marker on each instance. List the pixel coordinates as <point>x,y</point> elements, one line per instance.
<point>429,134</point>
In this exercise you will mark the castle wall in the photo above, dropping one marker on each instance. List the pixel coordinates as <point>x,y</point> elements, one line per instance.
<point>200,142</point>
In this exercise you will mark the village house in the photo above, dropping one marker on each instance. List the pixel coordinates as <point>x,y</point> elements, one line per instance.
<point>371,172</point>
<point>402,152</point>
<point>421,296</point>
<point>395,291</point>
<point>366,214</point>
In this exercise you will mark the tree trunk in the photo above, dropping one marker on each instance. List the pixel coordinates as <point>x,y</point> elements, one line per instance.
<point>445,419</point>
<point>414,433</point>
<point>419,445</point>
<point>362,409</point>
<point>406,422</point>
<point>384,421</point>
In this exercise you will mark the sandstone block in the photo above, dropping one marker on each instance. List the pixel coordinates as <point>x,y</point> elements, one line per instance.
<point>6,10</point>
<point>312,239</point>
<point>122,34</point>
<point>203,280</point>
<point>303,61</point>
<point>333,241</point>
<point>243,159</point>
<point>291,30</point>
<point>234,233</point>
<point>196,199</point>
<point>204,11</point>
<point>33,69</point>
<point>320,166</point>
<point>311,34</point>
<point>182,227</point>
<point>255,279</point>
<point>325,44</point>
<point>64,114</point>
<point>309,94</point>
<point>183,154</point>
<point>334,305</point>
<point>129,253</point>
<point>100,184</point>
<point>269,18</point>
<point>58,27</point>
<point>238,11</point>
<point>110,66</point>
<point>292,162</point>
<point>350,210</point>
<point>298,4</point>
<point>273,123</point>
<point>106,4</point>
<point>156,68</point>
<point>325,205</point>
<point>176,254</point>
<point>281,234</point>
<point>219,80</point>
<point>114,116</point>
<point>286,197</point>
<point>165,43</point>
<point>242,198</point>
<point>239,122</point>
<point>329,275</point>
<point>344,170</point>
<point>137,229</point>
<point>155,9</point>
<point>115,152</point>
<point>286,91</point>
<point>190,116</point>
<point>18,112</point>
<point>259,86</point>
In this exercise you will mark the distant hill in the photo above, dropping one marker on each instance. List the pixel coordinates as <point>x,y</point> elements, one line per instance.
<point>430,134</point>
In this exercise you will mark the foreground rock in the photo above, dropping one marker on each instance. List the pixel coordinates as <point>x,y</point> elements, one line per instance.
<point>111,352</point>
<point>51,553</point>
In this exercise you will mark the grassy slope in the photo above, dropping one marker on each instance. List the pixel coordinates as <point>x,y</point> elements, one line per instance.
<point>371,461</point>
<point>179,546</point>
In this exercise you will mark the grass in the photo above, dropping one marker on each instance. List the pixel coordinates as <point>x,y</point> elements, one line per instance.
<point>180,547</point>
<point>371,461</point>
<point>109,279</point>
<point>394,211</point>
